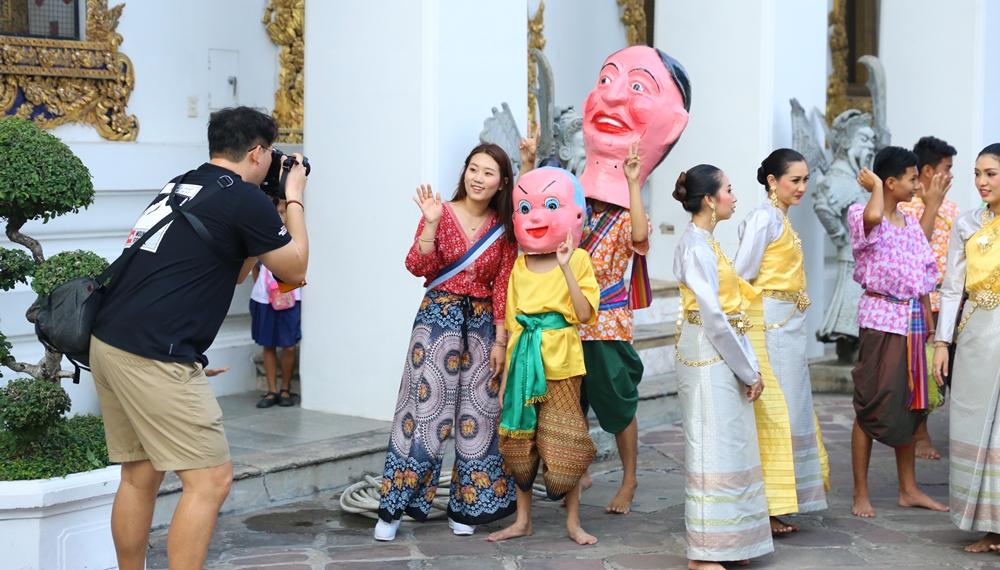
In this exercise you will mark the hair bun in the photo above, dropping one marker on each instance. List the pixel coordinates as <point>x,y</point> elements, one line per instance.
<point>761,177</point>
<point>680,191</point>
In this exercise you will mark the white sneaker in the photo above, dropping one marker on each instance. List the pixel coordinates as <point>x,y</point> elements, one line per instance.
<point>386,531</point>
<point>461,529</point>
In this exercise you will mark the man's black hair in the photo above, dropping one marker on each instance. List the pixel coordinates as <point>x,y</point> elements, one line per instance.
<point>233,132</point>
<point>892,162</point>
<point>931,151</point>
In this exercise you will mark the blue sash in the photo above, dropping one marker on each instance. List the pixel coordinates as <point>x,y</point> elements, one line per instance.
<point>470,256</point>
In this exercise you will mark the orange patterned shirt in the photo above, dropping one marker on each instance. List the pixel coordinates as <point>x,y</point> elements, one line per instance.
<point>939,237</point>
<point>610,259</point>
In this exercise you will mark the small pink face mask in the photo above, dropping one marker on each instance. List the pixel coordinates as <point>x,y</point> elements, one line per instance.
<point>548,203</point>
<point>635,98</point>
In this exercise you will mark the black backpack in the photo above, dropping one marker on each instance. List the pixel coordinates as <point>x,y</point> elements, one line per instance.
<point>67,313</point>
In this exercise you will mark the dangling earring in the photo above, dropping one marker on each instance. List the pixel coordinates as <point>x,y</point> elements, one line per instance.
<point>772,195</point>
<point>712,222</point>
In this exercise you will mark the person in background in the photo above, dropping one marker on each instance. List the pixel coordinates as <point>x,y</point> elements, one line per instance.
<point>276,321</point>
<point>937,215</point>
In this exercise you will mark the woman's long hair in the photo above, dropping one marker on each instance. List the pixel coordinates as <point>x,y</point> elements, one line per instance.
<point>501,201</point>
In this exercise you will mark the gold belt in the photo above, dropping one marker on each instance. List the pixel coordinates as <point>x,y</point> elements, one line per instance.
<point>740,323</point>
<point>988,300</point>
<point>801,300</point>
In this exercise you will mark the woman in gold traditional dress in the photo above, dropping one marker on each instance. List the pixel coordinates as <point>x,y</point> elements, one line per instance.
<point>796,469</point>
<point>974,267</point>
<point>718,379</point>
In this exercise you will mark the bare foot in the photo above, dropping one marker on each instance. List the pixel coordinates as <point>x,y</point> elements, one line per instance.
<point>862,508</point>
<point>586,482</point>
<point>515,530</point>
<point>925,450</point>
<point>704,565</point>
<point>918,499</point>
<point>778,527</point>
<point>623,500</point>
<point>989,542</point>
<point>580,536</point>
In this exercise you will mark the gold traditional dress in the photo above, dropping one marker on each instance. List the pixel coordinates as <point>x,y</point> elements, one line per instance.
<point>725,507</point>
<point>974,266</point>
<point>794,460</point>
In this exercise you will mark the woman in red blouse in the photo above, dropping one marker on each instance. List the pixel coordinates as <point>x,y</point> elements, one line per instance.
<point>457,352</point>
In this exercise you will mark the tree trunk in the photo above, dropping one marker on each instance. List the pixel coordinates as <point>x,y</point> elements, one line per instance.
<point>48,368</point>
<point>14,234</point>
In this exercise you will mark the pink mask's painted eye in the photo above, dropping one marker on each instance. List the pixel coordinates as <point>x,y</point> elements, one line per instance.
<point>524,207</point>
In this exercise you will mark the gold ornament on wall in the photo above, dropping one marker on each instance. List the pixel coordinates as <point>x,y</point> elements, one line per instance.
<point>536,24</point>
<point>634,18</point>
<point>285,21</point>
<point>837,98</point>
<point>52,82</point>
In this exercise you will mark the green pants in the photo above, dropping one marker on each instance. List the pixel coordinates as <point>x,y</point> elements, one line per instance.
<point>611,385</point>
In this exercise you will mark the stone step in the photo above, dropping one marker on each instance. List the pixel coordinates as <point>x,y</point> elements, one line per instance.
<point>663,308</point>
<point>655,345</point>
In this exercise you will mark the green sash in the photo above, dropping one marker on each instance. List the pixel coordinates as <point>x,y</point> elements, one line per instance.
<point>526,376</point>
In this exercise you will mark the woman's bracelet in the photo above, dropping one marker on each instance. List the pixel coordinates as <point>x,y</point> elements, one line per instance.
<point>295,202</point>
<point>500,344</point>
<point>425,240</point>
<point>932,331</point>
<point>941,344</point>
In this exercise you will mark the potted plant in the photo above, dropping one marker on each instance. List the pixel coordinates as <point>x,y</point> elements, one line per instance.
<point>56,485</point>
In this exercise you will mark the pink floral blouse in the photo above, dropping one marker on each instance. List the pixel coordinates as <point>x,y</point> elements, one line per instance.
<point>892,261</point>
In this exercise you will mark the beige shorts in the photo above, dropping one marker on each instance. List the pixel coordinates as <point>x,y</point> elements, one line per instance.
<point>161,411</point>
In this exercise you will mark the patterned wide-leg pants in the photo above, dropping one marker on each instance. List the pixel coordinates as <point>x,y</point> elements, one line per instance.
<point>447,389</point>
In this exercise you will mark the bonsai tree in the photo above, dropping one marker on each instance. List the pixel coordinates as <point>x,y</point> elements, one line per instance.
<point>40,178</point>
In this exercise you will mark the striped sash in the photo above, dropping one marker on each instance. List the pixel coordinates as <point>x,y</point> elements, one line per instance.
<point>916,351</point>
<point>639,294</point>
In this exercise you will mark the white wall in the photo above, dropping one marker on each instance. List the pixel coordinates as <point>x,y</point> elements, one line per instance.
<point>800,54</point>
<point>989,26</point>
<point>933,52</point>
<point>727,55</point>
<point>168,43</point>
<point>579,36</point>
<point>746,61</point>
<point>378,123</point>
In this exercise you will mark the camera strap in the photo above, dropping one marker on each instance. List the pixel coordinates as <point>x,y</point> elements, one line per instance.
<point>224,181</point>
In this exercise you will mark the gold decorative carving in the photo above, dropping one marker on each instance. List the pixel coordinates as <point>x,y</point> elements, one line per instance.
<point>634,17</point>
<point>536,24</point>
<point>285,21</point>
<point>837,99</point>
<point>52,82</point>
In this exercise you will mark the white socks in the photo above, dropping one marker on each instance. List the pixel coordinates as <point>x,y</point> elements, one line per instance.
<point>461,529</point>
<point>386,531</point>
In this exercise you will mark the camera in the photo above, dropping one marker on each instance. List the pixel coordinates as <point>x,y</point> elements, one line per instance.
<point>274,183</point>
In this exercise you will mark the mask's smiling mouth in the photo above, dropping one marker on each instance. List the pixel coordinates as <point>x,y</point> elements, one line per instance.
<point>537,233</point>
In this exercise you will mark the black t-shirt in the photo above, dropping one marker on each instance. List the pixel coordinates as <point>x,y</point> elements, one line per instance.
<point>169,302</point>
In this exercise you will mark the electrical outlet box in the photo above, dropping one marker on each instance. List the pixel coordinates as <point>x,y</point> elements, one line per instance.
<point>192,106</point>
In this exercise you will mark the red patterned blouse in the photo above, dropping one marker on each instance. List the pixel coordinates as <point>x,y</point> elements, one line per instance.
<point>486,277</point>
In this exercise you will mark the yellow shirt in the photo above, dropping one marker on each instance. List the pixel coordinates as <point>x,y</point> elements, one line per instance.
<point>980,266</point>
<point>783,267</point>
<point>735,294</point>
<point>530,293</point>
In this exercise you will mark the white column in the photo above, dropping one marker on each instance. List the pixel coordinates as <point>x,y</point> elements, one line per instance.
<point>745,60</point>
<point>390,102</point>
<point>935,56</point>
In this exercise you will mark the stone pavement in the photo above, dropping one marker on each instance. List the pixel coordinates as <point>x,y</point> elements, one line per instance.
<point>316,534</point>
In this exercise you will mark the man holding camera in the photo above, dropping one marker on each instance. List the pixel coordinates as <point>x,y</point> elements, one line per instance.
<point>163,312</point>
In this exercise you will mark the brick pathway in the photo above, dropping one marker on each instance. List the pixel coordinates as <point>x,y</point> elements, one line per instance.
<point>317,535</point>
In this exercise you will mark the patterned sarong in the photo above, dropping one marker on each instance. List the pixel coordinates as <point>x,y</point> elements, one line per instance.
<point>916,353</point>
<point>562,441</point>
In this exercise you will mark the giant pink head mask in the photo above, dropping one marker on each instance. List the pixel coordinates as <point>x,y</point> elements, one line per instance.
<point>636,97</point>
<point>548,203</point>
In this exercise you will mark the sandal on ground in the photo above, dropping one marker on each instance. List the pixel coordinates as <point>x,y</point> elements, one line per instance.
<point>269,399</point>
<point>285,401</point>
